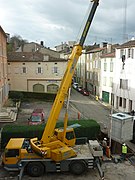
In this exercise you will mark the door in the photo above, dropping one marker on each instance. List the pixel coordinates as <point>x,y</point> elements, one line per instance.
<point>105,96</point>
<point>52,88</point>
<point>38,88</point>
<point>12,157</point>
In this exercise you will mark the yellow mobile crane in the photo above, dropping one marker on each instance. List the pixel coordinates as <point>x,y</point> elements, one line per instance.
<point>56,151</point>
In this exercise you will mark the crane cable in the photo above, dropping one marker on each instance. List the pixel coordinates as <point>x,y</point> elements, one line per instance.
<point>83,22</point>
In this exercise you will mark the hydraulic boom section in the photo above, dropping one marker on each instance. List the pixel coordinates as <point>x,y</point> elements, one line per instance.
<point>66,82</point>
<point>51,144</point>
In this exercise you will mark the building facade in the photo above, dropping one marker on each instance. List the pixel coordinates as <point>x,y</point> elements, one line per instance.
<point>80,73</point>
<point>124,83</point>
<point>35,47</point>
<point>94,70</point>
<point>3,68</point>
<point>107,74</point>
<point>35,72</point>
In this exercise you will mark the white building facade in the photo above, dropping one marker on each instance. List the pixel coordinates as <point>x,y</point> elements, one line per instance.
<point>107,76</point>
<point>124,77</point>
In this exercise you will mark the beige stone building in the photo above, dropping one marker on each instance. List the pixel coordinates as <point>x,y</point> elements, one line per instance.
<point>3,68</point>
<point>35,47</point>
<point>35,72</point>
<point>94,70</point>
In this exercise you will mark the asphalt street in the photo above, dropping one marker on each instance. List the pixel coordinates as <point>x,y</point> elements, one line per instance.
<point>91,109</point>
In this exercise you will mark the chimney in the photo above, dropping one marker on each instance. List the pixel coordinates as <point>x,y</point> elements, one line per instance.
<point>103,44</point>
<point>42,43</point>
<point>8,37</point>
<point>109,48</point>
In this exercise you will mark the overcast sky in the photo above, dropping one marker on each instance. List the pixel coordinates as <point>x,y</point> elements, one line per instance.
<point>56,21</point>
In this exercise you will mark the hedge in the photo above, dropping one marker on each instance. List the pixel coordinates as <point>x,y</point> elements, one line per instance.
<point>88,128</point>
<point>21,95</point>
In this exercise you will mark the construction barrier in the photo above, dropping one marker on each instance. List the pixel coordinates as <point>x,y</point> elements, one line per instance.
<point>79,115</point>
<point>108,153</point>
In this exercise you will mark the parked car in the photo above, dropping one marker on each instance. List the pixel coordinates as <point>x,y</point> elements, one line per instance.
<point>75,85</point>
<point>37,117</point>
<point>79,88</point>
<point>85,92</point>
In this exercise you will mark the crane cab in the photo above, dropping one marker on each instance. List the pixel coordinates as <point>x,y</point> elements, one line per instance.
<point>69,137</point>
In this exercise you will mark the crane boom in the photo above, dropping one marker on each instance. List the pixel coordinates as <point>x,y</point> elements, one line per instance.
<point>66,82</point>
<point>53,144</point>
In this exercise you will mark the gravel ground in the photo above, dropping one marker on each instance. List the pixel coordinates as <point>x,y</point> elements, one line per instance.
<point>27,108</point>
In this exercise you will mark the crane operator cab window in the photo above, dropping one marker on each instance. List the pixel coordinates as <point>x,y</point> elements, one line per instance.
<point>11,152</point>
<point>69,138</point>
<point>70,135</point>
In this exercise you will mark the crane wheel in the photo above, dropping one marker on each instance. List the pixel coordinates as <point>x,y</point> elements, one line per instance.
<point>35,169</point>
<point>78,167</point>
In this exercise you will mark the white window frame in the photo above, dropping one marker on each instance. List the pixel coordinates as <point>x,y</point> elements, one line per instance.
<point>129,52</point>
<point>124,84</point>
<point>111,82</point>
<point>111,65</point>
<point>132,54</point>
<point>104,81</point>
<point>122,52</point>
<point>105,65</point>
<point>55,69</point>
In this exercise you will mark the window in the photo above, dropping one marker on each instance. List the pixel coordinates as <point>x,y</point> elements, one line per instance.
<point>120,102</point>
<point>96,64</point>
<point>111,82</point>
<point>88,76</point>
<point>129,52</point>
<point>132,54</point>
<point>12,152</point>
<point>39,70</point>
<point>93,64</point>
<point>123,83</point>
<point>124,103</point>
<point>91,75</point>
<point>70,135</point>
<point>121,53</point>
<point>112,99</point>
<point>24,70</point>
<point>55,69</point>
<point>104,81</point>
<point>99,64</point>
<point>90,65</point>
<point>111,66</point>
<point>105,65</point>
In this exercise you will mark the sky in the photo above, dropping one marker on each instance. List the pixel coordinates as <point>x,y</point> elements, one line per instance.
<point>57,21</point>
